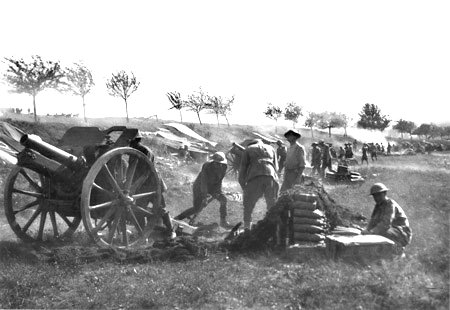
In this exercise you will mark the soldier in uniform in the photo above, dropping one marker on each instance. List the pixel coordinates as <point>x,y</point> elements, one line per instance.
<point>315,158</point>
<point>388,218</point>
<point>295,160</point>
<point>326,157</point>
<point>281,155</point>
<point>209,183</point>
<point>365,150</point>
<point>258,177</point>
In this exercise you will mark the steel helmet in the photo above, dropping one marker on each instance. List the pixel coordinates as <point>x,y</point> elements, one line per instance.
<point>378,188</point>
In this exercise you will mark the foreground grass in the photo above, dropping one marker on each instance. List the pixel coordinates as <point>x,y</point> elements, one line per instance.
<point>262,280</point>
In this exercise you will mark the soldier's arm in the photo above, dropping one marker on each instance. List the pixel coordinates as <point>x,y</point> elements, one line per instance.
<point>385,222</point>
<point>204,180</point>
<point>243,169</point>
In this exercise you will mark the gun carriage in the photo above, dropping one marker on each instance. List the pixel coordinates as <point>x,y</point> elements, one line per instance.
<point>92,176</point>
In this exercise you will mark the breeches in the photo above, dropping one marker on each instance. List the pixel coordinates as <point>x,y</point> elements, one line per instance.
<point>400,235</point>
<point>291,177</point>
<point>255,189</point>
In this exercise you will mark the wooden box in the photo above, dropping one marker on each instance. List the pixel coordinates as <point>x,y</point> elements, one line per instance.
<point>359,247</point>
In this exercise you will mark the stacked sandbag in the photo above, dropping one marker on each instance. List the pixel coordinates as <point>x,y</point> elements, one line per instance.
<point>307,222</point>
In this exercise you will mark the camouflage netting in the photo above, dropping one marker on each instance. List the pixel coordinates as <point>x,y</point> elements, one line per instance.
<point>262,235</point>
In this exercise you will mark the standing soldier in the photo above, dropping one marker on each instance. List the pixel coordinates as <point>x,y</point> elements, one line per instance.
<point>209,182</point>
<point>258,177</point>
<point>326,158</point>
<point>389,147</point>
<point>348,151</point>
<point>295,160</point>
<point>315,158</point>
<point>281,155</point>
<point>365,150</point>
<point>373,152</point>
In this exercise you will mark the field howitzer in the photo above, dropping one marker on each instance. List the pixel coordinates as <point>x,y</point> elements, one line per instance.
<point>51,161</point>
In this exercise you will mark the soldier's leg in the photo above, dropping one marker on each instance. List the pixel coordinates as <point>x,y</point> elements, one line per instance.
<point>290,177</point>
<point>252,192</point>
<point>270,192</point>
<point>223,209</point>
<point>198,205</point>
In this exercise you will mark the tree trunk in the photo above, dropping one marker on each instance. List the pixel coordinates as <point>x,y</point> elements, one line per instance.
<point>84,110</point>
<point>199,120</point>
<point>34,108</point>
<point>228,123</point>
<point>329,131</point>
<point>312,133</point>
<point>126,109</point>
<point>345,131</point>
<point>181,116</point>
<point>217,116</point>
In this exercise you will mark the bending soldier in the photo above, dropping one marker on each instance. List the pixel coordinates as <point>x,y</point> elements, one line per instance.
<point>258,177</point>
<point>209,183</point>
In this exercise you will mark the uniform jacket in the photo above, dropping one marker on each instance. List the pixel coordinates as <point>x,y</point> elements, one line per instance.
<point>209,180</point>
<point>258,159</point>
<point>386,215</point>
<point>326,155</point>
<point>316,155</point>
<point>295,158</point>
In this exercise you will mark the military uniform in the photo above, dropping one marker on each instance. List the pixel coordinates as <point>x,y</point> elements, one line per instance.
<point>326,158</point>
<point>281,156</point>
<point>258,177</point>
<point>315,159</point>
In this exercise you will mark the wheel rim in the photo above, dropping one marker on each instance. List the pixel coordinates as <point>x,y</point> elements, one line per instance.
<point>30,210</point>
<point>120,199</point>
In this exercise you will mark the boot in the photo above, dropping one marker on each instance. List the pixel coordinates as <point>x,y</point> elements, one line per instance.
<point>224,223</point>
<point>168,223</point>
<point>248,225</point>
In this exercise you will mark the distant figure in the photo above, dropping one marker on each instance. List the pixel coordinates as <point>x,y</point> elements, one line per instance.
<point>389,147</point>
<point>326,157</point>
<point>281,155</point>
<point>382,148</point>
<point>373,152</point>
<point>341,155</point>
<point>315,158</point>
<point>349,151</point>
<point>388,219</point>
<point>183,153</point>
<point>295,160</point>
<point>365,150</point>
<point>378,147</point>
<point>332,151</point>
<point>355,144</point>
<point>209,183</point>
<point>258,176</point>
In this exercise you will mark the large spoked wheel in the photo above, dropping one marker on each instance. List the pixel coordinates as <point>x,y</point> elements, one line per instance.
<point>120,199</point>
<point>32,212</point>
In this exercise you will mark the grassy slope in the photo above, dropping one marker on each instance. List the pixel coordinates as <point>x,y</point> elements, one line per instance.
<point>262,280</point>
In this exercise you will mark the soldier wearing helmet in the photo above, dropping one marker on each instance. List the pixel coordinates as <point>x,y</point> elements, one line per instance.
<point>388,218</point>
<point>209,183</point>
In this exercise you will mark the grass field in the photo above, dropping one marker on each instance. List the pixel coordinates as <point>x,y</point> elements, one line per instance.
<point>264,280</point>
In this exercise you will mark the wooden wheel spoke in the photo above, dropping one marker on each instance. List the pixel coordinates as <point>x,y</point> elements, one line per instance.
<point>111,179</point>
<point>28,193</point>
<point>130,173</point>
<point>54,225</point>
<point>30,180</point>
<point>72,225</point>
<point>104,204</point>
<point>142,195</point>
<point>41,225</point>
<point>139,209</point>
<point>103,190</point>
<point>115,223</point>
<point>103,220</point>
<point>135,221</point>
<point>27,206</point>
<point>139,182</point>
<point>31,220</point>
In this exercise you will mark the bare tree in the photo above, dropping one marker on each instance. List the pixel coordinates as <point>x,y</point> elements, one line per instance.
<point>33,77</point>
<point>226,108</point>
<point>215,106</point>
<point>197,102</point>
<point>177,103</point>
<point>79,82</point>
<point>122,85</point>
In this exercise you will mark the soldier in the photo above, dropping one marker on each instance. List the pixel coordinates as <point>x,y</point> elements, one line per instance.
<point>348,151</point>
<point>315,158</point>
<point>389,147</point>
<point>365,150</point>
<point>326,157</point>
<point>295,160</point>
<point>373,152</point>
<point>258,177</point>
<point>281,155</point>
<point>341,155</point>
<point>209,182</point>
<point>388,218</point>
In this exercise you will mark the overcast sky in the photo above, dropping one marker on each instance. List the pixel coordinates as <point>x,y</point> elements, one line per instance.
<point>323,55</point>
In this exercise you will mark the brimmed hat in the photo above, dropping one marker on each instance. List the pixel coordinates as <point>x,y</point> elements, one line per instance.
<point>314,143</point>
<point>292,132</point>
<point>378,188</point>
<point>279,142</point>
<point>219,157</point>
<point>321,142</point>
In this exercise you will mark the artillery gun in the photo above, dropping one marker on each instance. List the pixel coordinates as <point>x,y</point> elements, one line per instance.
<point>92,176</point>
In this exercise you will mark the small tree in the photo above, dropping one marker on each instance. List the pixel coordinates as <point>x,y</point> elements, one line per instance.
<point>423,130</point>
<point>273,112</point>
<point>215,106</point>
<point>197,102</point>
<point>332,120</point>
<point>311,121</point>
<point>371,118</point>
<point>292,113</point>
<point>226,108</point>
<point>122,85</point>
<point>177,103</point>
<point>33,77</point>
<point>404,127</point>
<point>79,82</point>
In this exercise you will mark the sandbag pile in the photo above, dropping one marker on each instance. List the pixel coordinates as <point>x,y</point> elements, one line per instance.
<point>306,223</point>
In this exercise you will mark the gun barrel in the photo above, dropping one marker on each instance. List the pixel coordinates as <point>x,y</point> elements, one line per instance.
<point>35,143</point>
